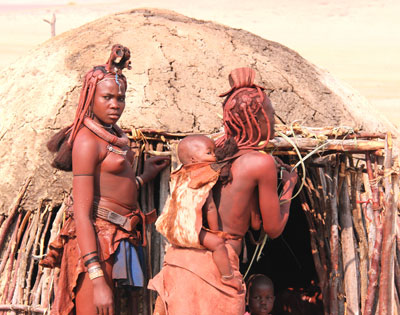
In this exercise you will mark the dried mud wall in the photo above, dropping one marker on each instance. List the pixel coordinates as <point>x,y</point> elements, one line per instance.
<point>180,65</point>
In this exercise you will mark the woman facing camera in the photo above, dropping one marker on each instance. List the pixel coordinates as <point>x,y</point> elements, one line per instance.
<point>105,228</point>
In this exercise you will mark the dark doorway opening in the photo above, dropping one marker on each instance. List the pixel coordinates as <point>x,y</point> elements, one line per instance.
<point>288,261</point>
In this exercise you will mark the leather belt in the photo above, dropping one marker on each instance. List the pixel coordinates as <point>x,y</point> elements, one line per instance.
<point>128,224</point>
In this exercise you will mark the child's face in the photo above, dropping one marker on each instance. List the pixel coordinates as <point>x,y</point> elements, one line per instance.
<point>261,299</point>
<point>204,151</point>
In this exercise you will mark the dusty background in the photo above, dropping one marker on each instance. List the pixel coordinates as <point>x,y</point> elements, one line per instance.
<point>357,41</point>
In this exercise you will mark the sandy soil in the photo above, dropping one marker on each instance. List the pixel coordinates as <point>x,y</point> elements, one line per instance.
<point>358,41</point>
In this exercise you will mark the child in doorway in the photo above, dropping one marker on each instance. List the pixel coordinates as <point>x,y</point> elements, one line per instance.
<point>260,295</point>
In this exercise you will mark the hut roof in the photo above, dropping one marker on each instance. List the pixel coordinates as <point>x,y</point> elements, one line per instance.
<point>180,65</point>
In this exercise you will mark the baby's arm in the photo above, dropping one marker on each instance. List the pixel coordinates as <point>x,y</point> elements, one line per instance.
<point>212,213</point>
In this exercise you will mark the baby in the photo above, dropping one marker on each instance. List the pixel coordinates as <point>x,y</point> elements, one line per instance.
<point>196,149</point>
<point>260,295</point>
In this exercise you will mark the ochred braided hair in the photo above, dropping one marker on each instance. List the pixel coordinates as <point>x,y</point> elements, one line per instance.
<point>61,142</point>
<point>243,102</point>
<point>240,109</point>
<point>111,69</point>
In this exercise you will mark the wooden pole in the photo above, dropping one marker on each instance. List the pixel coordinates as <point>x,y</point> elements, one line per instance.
<point>13,212</point>
<point>309,144</point>
<point>22,308</point>
<point>351,281</point>
<point>386,288</point>
<point>360,230</point>
<point>334,241</point>
<point>10,258</point>
<point>368,215</point>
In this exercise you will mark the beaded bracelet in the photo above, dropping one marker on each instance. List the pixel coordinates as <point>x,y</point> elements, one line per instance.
<point>96,274</point>
<point>91,260</point>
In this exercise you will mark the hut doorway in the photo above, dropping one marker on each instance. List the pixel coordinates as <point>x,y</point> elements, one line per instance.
<point>288,261</point>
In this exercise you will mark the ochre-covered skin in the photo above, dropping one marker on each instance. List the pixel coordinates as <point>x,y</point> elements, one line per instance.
<point>248,118</point>
<point>103,171</point>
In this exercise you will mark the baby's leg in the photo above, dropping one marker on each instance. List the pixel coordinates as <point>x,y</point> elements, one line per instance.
<point>216,244</point>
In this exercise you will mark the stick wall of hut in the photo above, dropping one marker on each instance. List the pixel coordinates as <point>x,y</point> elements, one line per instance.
<point>352,218</point>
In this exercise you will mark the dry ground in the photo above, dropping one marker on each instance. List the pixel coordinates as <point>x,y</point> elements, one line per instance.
<point>358,41</point>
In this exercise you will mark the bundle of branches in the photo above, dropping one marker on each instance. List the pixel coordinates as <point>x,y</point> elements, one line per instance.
<point>25,287</point>
<point>351,204</point>
<point>350,198</point>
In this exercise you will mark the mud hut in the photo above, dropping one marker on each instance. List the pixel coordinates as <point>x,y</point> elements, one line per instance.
<point>180,65</point>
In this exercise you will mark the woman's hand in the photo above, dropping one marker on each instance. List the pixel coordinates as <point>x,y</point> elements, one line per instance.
<point>103,297</point>
<point>152,166</point>
<point>286,171</point>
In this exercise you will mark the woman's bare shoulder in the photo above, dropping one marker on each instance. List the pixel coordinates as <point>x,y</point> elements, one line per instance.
<point>256,161</point>
<point>86,137</point>
<point>86,143</point>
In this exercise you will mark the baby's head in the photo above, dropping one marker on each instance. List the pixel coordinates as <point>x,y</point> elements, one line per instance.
<point>260,294</point>
<point>196,148</point>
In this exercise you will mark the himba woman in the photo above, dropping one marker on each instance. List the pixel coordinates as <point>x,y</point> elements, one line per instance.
<point>105,228</point>
<point>189,282</point>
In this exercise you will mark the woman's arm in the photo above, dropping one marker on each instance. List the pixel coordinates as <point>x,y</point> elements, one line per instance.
<point>274,215</point>
<point>153,166</point>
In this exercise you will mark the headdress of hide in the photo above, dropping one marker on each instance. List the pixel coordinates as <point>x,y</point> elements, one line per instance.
<point>242,104</point>
<point>112,70</point>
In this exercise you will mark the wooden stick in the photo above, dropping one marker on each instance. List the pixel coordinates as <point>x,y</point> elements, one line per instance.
<point>145,208</point>
<point>360,230</point>
<point>373,273</point>
<point>332,182</point>
<point>15,292</point>
<point>47,284</point>
<point>366,199</point>
<point>308,144</point>
<point>35,292</point>
<point>32,237</point>
<point>22,308</point>
<point>373,184</point>
<point>23,225</point>
<point>37,289</point>
<point>164,191</point>
<point>397,274</point>
<point>305,131</point>
<point>159,153</point>
<point>156,237</point>
<point>4,258</point>
<point>11,258</point>
<point>386,293</point>
<point>349,253</point>
<point>46,213</point>
<point>2,217</point>
<point>13,212</point>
